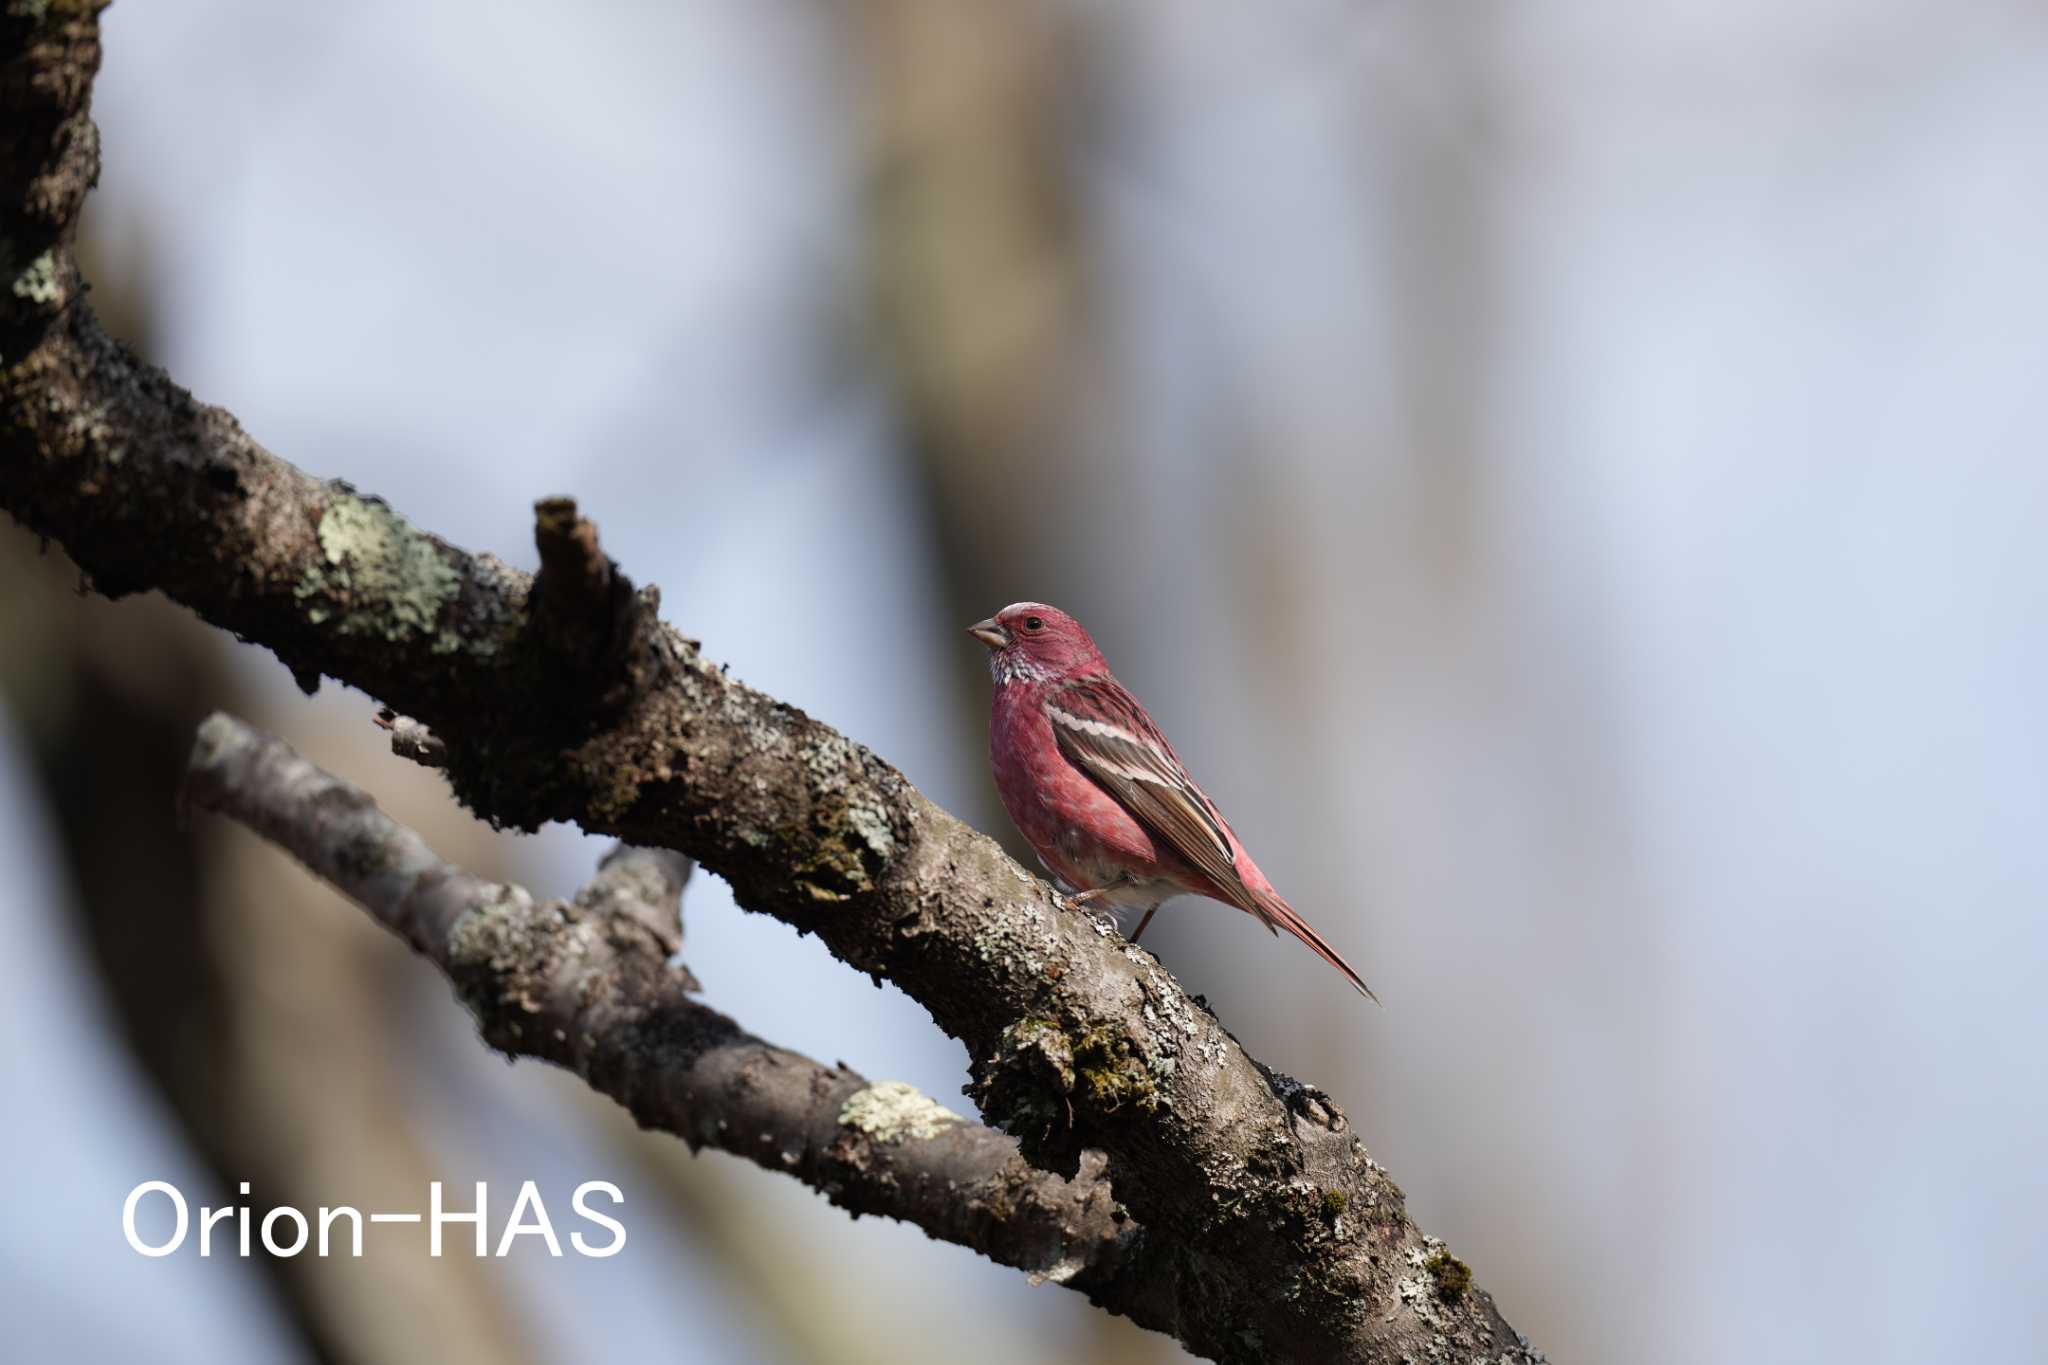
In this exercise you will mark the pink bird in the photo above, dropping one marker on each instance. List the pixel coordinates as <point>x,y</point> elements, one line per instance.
<point>1098,792</point>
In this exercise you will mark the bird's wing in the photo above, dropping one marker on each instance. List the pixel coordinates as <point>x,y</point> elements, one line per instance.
<point>1105,733</point>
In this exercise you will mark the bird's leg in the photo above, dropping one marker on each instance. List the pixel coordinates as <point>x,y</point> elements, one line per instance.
<point>1081,898</point>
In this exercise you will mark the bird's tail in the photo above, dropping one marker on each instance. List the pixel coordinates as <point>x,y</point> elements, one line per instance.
<point>1278,915</point>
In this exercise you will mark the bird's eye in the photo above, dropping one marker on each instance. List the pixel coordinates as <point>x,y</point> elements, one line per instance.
<point>1034,623</point>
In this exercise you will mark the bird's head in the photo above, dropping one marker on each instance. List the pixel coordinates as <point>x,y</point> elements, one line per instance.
<point>1032,640</point>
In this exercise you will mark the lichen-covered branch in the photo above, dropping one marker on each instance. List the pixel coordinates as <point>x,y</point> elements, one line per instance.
<point>1268,1232</point>
<point>588,984</point>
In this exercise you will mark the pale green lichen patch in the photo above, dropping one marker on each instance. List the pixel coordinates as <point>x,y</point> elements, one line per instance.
<point>379,576</point>
<point>497,955</point>
<point>872,825</point>
<point>890,1111</point>
<point>853,843</point>
<point>495,937</point>
<point>1441,1279</point>
<point>854,838</point>
<point>1023,939</point>
<point>93,423</point>
<point>37,283</point>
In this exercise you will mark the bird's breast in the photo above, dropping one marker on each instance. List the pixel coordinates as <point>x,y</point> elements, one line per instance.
<point>1077,829</point>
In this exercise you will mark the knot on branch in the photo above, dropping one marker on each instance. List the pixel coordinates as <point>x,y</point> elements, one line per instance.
<point>1047,1088</point>
<point>549,978</point>
<point>585,622</point>
<point>1305,1101</point>
<point>642,888</point>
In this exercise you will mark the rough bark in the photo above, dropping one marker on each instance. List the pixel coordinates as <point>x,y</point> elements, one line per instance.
<point>590,985</point>
<point>1268,1232</point>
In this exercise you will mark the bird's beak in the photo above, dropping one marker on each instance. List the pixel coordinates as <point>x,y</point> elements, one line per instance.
<point>990,633</point>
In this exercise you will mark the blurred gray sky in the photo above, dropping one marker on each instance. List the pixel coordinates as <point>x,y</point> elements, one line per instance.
<point>1571,481</point>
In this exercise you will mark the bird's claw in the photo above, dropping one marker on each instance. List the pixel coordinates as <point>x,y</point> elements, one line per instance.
<point>1306,1100</point>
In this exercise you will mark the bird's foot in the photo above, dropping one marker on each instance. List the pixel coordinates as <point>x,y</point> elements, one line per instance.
<point>1086,903</point>
<point>1306,1100</point>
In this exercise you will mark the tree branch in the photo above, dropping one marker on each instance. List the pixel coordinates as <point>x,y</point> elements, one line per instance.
<point>587,984</point>
<point>1268,1232</point>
